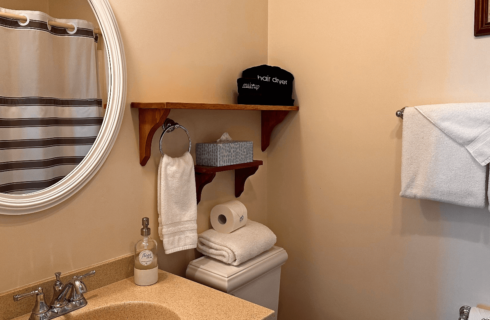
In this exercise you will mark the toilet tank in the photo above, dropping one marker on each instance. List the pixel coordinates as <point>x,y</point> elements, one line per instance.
<point>256,280</point>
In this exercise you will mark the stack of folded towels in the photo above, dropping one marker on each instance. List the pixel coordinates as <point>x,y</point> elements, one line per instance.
<point>246,240</point>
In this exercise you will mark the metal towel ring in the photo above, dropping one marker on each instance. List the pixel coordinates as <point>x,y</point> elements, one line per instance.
<point>170,126</point>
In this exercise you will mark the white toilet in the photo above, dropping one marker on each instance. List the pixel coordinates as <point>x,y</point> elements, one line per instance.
<point>256,280</point>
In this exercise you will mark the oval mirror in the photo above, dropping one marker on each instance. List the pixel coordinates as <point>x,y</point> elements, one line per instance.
<point>61,62</point>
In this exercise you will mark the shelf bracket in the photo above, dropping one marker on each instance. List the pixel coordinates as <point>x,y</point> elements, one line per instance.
<point>202,179</point>
<point>241,175</point>
<point>270,119</point>
<point>149,121</point>
<point>205,175</point>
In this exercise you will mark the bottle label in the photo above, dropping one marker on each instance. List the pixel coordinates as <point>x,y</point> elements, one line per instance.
<point>146,257</point>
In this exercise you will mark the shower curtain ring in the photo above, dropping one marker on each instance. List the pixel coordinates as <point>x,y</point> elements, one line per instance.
<point>24,23</point>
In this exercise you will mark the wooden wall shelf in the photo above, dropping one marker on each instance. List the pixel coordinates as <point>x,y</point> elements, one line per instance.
<point>153,115</point>
<point>205,175</point>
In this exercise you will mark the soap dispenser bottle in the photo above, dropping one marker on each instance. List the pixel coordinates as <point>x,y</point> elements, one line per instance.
<point>145,258</point>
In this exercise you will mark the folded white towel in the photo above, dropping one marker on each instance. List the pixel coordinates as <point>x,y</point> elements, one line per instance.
<point>466,123</point>
<point>239,246</point>
<point>444,153</point>
<point>177,205</point>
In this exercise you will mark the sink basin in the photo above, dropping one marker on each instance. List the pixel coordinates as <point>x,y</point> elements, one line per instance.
<point>129,310</point>
<point>171,298</point>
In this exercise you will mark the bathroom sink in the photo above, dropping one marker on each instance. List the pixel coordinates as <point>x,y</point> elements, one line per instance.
<point>171,298</point>
<point>129,310</point>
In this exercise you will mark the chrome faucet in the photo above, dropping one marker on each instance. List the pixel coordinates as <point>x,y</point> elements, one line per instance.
<point>66,298</point>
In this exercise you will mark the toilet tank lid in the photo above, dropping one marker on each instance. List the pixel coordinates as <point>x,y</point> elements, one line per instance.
<point>259,265</point>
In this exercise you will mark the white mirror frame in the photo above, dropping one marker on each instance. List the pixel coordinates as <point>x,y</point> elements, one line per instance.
<point>75,180</point>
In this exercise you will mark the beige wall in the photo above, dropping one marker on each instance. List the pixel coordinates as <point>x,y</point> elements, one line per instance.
<point>356,249</point>
<point>77,9</point>
<point>34,5</point>
<point>191,51</point>
<point>330,185</point>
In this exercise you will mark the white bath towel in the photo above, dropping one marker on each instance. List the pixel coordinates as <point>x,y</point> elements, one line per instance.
<point>444,153</point>
<point>239,246</point>
<point>177,205</point>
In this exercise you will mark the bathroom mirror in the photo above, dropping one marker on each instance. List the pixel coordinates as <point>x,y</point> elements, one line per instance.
<point>64,63</point>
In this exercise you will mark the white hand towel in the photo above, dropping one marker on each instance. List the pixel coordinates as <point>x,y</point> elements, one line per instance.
<point>239,246</point>
<point>444,153</point>
<point>177,205</point>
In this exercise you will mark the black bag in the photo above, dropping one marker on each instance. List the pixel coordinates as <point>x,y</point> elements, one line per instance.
<point>265,85</point>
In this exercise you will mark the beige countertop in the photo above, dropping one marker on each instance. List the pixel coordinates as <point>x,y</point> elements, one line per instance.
<point>172,297</point>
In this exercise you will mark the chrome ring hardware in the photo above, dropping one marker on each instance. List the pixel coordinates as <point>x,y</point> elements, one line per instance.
<point>170,126</point>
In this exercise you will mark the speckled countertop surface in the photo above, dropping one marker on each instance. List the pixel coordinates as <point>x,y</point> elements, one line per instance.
<point>188,300</point>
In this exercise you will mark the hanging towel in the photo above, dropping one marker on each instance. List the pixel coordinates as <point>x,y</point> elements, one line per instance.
<point>50,110</point>
<point>239,246</point>
<point>444,153</point>
<point>177,205</point>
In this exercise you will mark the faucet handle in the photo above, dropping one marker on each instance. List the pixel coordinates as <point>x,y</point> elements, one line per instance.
<point>91,273</point>
<point>40,307</point>
<point>19,297</point>
<point>58,285</point>
<point>79,288</point>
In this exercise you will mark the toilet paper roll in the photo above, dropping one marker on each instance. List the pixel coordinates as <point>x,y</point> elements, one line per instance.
<point>479,314</point>
<point>229,216</point>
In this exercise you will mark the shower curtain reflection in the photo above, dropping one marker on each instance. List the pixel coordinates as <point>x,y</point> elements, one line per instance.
<point>50,106</point>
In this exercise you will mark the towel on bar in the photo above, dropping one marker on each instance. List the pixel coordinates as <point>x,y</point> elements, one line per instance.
<point>177,206</point>
<point>239,246</point>
<point>444,153</point>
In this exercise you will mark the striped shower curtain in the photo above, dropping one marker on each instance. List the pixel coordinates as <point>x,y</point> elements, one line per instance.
<point>50,111</point>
